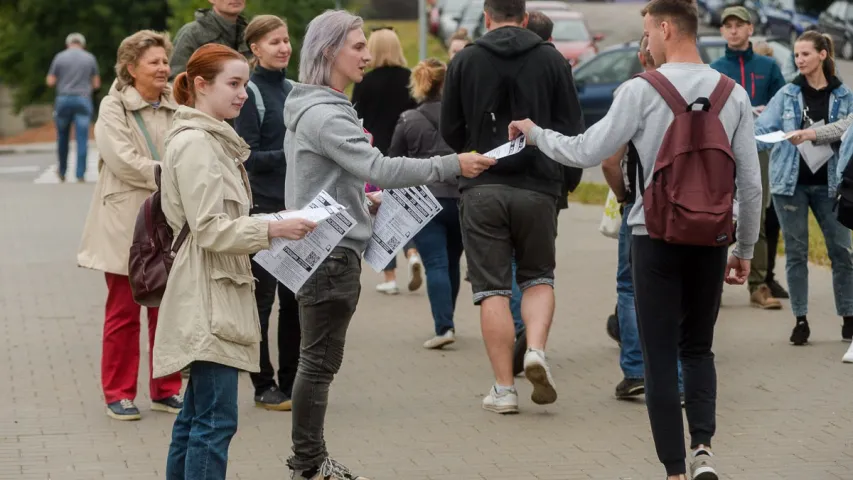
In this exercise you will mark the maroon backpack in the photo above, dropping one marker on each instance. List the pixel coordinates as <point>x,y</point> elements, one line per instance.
<point>153,250</point>
<point>689,200</point>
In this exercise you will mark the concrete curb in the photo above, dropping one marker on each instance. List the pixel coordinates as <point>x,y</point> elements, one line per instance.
<point>44,147</point>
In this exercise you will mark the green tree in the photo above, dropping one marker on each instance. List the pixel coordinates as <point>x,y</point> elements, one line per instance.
<point>297,13</point>
<point>33,31</point>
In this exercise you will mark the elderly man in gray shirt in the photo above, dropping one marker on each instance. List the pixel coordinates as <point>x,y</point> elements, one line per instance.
<point>74,73</point>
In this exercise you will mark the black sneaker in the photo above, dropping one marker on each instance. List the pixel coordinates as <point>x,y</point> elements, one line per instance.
<point>329,470</point>
<point>273,399</point>
<point>776,290</point>
<point>847,329</point>
<point>123,410</point>
<point>613,329</point>
<point>630,387</point>
<point>172,404</point>
<point>800,335</point>
<point>518,353</point>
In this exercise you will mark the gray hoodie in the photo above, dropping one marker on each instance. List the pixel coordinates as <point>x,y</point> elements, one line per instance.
<point>327,149</point>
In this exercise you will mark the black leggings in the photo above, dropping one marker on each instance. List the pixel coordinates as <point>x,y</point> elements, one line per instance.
<point>677,291</point>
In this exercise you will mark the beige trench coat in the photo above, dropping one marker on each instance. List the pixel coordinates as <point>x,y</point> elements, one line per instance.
<point>208,312</point>
<point>125,175</point>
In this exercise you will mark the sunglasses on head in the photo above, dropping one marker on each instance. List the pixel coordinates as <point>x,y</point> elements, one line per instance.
<point>376,29</point>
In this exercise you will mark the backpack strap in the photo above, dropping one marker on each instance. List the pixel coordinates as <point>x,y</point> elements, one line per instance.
<point>666,90</point>
<point>259,100</point>
<point>721,94</point>
<point>185,230</point>
<point>154,153</point>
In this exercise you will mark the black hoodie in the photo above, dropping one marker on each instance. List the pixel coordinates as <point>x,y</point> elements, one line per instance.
<point>816,109</point>
<point>542,78</point>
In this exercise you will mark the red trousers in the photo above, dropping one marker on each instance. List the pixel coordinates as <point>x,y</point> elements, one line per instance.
<point>120,356</point>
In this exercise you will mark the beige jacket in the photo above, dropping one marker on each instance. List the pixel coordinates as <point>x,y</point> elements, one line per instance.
<point>208,312</point>
<point>125,175</point>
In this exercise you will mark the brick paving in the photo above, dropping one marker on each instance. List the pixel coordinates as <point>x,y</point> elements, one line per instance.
<point>397,411</point>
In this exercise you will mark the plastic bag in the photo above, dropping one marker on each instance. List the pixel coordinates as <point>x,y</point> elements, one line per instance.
<point>611,220</point>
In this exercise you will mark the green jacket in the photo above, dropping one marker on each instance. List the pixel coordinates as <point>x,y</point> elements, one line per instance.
<point>208,27</point>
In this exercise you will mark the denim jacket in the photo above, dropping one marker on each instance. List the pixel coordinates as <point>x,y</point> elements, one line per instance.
<point>785,113</point>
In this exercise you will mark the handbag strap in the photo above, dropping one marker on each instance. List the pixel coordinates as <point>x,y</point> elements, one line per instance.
<point>154,153</point>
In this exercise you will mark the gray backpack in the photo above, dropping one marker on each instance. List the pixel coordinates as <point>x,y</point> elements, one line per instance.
<point>259,100</point>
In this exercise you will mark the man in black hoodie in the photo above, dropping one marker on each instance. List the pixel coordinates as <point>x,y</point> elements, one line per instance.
<point>510,73</point>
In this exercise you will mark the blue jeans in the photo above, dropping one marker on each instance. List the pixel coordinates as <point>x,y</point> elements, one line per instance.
<point>630,353</point>
<point>439,244</point>
<point>515,302</point>
<point>793,213</point>
<point>77,110</point>
<point>203,430</point>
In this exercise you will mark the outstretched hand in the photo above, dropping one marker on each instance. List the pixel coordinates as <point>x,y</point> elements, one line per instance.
<point>519,127</point>
<point>473,164</point>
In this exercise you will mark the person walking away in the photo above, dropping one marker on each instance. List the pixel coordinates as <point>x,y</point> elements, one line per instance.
<point>223,24</point>
<point>459,40</point>
<point>440,240</point>
<point>129,133</point>
<point>327,149</point>
<point>543,26</point>
<point>208,313</point>
<point>74,74</point>
<point>761,77</point>
<point>261,125</point>
<point>510,210</point>
<point>678,279</point>
<point>379,100</point>
<point>815,96</point>
<point>620,172</point>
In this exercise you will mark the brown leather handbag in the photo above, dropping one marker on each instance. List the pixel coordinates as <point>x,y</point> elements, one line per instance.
<point>153,248</point>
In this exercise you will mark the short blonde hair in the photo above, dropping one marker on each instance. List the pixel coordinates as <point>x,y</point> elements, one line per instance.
<point>763,48</point>
<point>427,79</point>
<point>131,50</point>
<point>385,49</point>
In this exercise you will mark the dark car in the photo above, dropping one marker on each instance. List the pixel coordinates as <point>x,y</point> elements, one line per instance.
<point>837,21</point>
<point>788,18</point>
<point>597,78</point>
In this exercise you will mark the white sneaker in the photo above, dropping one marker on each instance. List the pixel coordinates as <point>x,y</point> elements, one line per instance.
<point>848,357</point>
<point>416,273</point>
<point>503,403</point>
<point>388,288</point>
<point>536,370</point>
<point>440,341</point>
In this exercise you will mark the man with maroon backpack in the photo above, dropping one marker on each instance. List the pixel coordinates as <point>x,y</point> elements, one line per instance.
<point>691,159</point>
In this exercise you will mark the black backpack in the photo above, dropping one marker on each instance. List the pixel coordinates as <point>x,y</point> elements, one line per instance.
<point>844,199</point>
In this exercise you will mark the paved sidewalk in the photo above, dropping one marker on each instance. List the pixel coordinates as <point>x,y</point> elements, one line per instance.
<point>397,411</point>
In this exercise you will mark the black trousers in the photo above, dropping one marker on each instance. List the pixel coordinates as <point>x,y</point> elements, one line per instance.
<point>677,291</point>
<point>289,335</point>
<point>771,230</point>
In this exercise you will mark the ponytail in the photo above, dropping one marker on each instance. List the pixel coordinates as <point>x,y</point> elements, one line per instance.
<point>182,90</point>
<point>822,43</point>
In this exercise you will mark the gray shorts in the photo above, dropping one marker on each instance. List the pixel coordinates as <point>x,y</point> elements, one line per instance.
<point>499,222</point>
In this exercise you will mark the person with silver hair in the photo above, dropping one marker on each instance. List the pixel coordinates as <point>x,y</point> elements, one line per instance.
<point>328,149</point>
<point>74,73</point>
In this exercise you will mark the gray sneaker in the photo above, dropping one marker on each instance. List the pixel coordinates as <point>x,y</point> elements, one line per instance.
<point>702,466</point>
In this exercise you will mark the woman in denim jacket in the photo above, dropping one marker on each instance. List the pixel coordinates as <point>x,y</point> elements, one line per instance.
<point>814,95</point>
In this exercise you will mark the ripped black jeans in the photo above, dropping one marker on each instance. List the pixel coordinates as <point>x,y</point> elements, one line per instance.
<point>327,303</point>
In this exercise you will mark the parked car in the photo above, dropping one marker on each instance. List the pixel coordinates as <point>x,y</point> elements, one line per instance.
<point>788,18</point>
<point>710,10</point>
<point>549,7</point>
<point>597,78</point>
<point>449,14</point>
<point>837,21</point>
<point>572,37</point>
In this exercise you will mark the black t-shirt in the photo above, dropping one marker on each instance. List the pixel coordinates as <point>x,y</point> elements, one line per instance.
<point>816,108</point>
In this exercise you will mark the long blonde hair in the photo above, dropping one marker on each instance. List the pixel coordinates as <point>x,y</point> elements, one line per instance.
<point>385,49</point>
<point>427,79</point>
